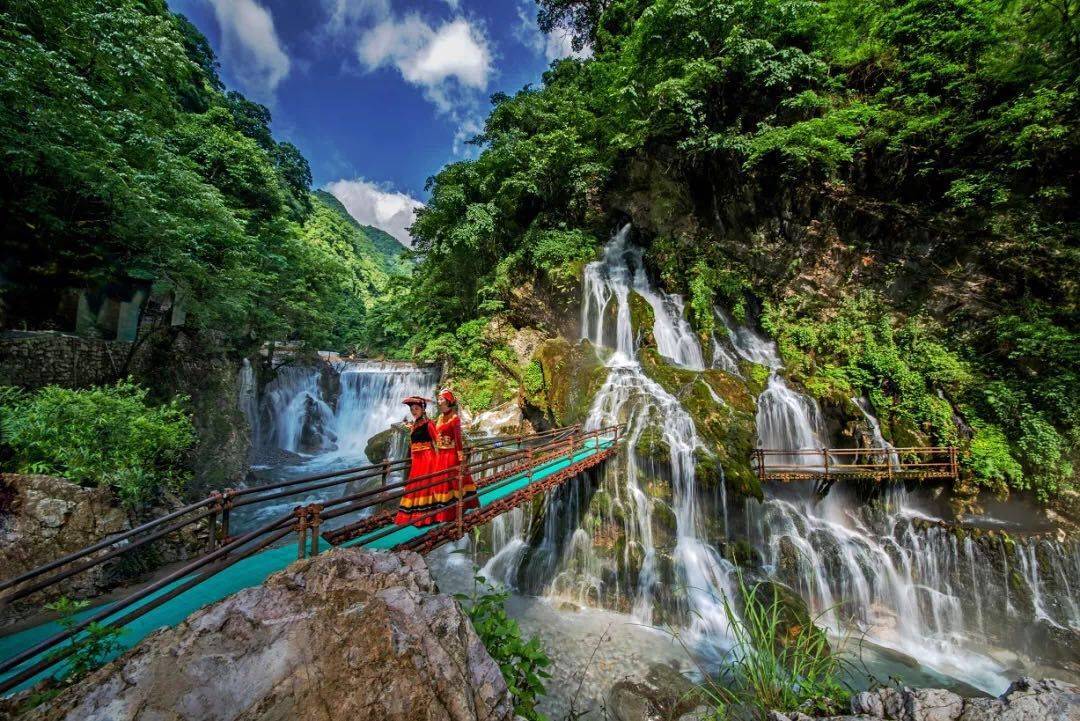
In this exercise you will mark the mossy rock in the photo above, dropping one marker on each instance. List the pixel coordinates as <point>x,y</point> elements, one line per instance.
<point>642,319</point>
<point>793,614</point>
<point>756,375</point>
<point>664,525</point>
<point>572,373</point>
<point>743,555</point>
<point>378,446</point>
<point>727,429</point>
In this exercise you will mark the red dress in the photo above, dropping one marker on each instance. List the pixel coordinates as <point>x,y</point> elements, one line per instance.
<point>449,454</point>
<point>427,494</point>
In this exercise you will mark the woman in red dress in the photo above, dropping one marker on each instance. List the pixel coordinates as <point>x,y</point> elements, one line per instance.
<point>426,495</point>
<point>450,454</point>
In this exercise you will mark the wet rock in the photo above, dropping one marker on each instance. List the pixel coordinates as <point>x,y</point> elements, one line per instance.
<point>379,445</point>
<point>315,434</point>
<point>1025,700</point>
<point>572,374</point>
<point>664,693</point>
<point>47,517</point>
<point>349,635</point>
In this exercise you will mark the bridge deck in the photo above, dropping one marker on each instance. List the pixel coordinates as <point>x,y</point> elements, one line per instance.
<point>254,569</point>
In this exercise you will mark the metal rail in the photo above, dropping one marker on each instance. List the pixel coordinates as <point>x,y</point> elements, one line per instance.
<point>491,474</point>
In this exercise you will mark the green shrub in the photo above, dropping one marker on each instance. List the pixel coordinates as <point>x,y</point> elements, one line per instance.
<point>523,663</point>
<point>87,650</point>
<point>774,665</point>
<point>102,436</point>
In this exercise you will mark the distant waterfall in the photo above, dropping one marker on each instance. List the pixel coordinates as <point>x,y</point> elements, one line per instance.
<point>319,410</point>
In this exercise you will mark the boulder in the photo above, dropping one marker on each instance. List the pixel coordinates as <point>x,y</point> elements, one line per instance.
<point>1025,700</point>
<point>664,693</point>
<point>350,634</point>
<point>43,518</point>
<point>380,446</point>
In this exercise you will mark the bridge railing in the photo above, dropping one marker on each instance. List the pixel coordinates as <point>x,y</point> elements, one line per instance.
<point>491,461</point>
<point>878,463</point>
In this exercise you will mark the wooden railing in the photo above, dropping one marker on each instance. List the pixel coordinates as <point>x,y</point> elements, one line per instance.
<point>880,464</point>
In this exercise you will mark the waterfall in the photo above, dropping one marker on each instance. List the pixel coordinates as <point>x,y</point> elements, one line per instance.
<point>875,432</point>
<point>370,399</point>
<point>247,398</point>
<point>298,417</point>
<point>332,411</point>
<point>785,419</point>
<point>647,408</point>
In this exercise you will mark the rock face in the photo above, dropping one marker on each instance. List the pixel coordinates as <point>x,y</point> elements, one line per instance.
<point>43,518</point>
<point>349,635</point>
<point>1025,700</point>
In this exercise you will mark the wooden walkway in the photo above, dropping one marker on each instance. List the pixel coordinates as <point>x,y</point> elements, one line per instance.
<point>828,465</point>
<point>508,471</point>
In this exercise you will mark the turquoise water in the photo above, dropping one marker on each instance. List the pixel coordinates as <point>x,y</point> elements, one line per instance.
<point>252,571</point>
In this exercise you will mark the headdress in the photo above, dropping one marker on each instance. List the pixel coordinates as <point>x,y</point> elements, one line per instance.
<point>415,401</point>
<point>447,395</point>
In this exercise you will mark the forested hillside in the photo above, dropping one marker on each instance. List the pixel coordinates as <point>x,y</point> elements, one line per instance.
<point>124,156</point>
<point>888,187</point>
<point>385,249</point>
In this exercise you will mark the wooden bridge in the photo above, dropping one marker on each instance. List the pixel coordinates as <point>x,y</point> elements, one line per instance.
<point>828,465</point>
<point>508,471</point>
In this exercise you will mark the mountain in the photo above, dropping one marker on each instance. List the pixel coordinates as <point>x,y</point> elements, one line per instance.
<point>388,249</point>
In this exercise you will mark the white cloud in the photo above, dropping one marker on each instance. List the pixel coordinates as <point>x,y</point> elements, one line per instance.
<point>342,15</point>
<point>447,62</point>
<point>371,204</point>
<point>554,45</point>
<point>251,47</point>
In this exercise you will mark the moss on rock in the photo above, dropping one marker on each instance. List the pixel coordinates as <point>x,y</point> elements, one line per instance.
<point>571,374</point>
<point>642,319</point>
<point>723,412</point>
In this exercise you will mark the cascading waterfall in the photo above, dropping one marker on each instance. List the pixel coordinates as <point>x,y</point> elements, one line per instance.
<point>647,408</point>
<point>299,414</point>
<point>296,414</point>
<point>893,459</point>
<point>885,579</point>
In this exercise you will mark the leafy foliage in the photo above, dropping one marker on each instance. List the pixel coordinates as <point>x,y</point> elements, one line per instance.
<point>960,117</point>
<point>522,662</point>
<point>125,155</point>
<point>103,436</point>
<point>89,649</point>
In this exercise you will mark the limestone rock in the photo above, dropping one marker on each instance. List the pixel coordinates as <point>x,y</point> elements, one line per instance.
<point>43,518</point>
<point>664,693</point>
<point>350,635</point>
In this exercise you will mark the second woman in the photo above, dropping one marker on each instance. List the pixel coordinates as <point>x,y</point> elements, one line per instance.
<point>450,453</point>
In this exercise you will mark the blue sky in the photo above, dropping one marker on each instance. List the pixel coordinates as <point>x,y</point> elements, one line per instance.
<point>377,94</point>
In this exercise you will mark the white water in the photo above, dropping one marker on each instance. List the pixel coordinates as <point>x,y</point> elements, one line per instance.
<point>875,433</point>
<point>294,408</point>
<point>628,395</point>
<point>879,580</point>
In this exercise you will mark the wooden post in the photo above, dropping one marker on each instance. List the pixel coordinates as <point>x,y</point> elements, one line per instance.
<point>225,512</point>
<point>212,521</point>
<point>953,468</point>
<point>385,472</point>
<point>315,522</point>
<point>301,530</point>
<point>825,453</point>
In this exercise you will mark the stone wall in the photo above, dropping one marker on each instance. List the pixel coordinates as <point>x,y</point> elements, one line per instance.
<point>40,358</point>
<point>181,362</point>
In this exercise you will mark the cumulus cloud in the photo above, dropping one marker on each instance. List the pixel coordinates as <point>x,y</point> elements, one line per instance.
<point>251,47</point>
<point>445,61</point>
<point>555,45</point>
<point>372,204</point>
